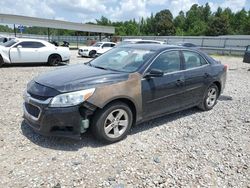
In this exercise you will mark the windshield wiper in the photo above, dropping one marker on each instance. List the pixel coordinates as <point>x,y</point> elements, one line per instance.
<point>98,67</point>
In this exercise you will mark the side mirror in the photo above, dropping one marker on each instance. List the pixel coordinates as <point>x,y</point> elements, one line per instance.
<point>19,46</point>
<point>154,73</point>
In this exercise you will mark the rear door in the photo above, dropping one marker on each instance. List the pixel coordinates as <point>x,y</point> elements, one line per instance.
<point>247,55</point>
<point>26,52</point>
<point>197,76</point>
<point>164,94</point>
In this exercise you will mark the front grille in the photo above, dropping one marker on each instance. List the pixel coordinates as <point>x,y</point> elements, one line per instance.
<point>32,110</point>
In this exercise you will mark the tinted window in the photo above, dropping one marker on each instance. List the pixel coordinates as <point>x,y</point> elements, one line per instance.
<point>193,60</point>
<point>167,62</point>
<point>106,45</point>
<point>189,45</point>
<point>97,44</point>
<point>112,45</point>
<point>31,44</point>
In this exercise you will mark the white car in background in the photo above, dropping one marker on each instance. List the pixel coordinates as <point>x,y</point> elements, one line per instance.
<point>97,48</point>
<point>21,50</point>
<point>140,41</point>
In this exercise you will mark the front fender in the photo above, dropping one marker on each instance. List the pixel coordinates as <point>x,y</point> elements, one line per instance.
<point>129,89</point>
<point>5,57</point>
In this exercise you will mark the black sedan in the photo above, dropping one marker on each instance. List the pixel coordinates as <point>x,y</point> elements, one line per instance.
<point>127,85</point>
<point>246,58</point>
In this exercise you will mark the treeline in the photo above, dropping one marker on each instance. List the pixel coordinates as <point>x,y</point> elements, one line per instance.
<point>199,20</point>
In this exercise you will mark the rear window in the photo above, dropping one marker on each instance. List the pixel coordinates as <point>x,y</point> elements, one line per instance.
<point>193,60</point>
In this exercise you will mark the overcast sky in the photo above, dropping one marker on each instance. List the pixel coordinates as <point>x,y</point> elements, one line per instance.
<point>89,10</point>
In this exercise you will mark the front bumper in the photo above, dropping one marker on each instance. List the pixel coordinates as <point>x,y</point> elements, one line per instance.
<point>83,53</point>
<point>63,122</point>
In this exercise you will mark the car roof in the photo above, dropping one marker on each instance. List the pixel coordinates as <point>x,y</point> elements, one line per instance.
<point>153,47</point>
<point>142,40</point>
<point>28,39</point>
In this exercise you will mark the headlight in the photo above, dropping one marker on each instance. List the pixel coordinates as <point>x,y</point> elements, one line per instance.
<point>71,99</point>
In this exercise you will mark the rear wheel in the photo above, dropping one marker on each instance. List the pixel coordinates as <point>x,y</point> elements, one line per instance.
<point>210,99</point>
<point>1,61</point>
<point>112,123</point>
<point>54,60</point>
<point>92,53</point>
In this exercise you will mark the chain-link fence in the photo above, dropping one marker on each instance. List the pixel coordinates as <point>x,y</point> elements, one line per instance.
<point>231,45</point>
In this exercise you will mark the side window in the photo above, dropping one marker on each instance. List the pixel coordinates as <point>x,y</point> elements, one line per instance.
<point>30,44</point>
<point>106,45</point>
<point>193,60</point>
<point>112,45</point>
<point>37,45</point>
<point>167,62</point>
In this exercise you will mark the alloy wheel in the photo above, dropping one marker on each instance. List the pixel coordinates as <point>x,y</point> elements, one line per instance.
<point>211,97</point>
<point>116,123</point>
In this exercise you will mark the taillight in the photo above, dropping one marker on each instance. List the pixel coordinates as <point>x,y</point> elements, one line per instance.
<point>225,67</point>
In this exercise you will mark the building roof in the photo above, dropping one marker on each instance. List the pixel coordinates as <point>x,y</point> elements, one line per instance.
<point>58,24</point>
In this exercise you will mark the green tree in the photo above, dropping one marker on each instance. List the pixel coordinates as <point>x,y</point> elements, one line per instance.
<point>164,23</point>
<point>218,25</point>
<point>179,23</point>
<point>103,21</point>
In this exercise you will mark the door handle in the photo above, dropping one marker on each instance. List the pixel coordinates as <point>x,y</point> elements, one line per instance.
<point>180,82</point>
<point>206,75</point>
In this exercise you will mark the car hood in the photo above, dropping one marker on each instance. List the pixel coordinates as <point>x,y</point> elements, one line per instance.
<point>78,77</point>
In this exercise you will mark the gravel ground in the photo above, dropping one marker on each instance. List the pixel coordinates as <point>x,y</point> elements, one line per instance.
<point>186,149</point>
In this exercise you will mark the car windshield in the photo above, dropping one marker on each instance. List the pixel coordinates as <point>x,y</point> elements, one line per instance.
<point>97,44</point>
<point>9,43</point>
<point>122,59</point>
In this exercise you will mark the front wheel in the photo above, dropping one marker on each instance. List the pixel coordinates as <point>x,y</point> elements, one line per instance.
<point>1,61</point>
<point>92,54</point>
<point>210,99</point>
<point>112,123</point>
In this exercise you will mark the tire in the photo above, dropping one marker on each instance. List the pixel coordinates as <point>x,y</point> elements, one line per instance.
<point>112,123</point>
<point>92,53</point>
<point>1,61</point>
<point>54,60</point>
<point>210,98</point>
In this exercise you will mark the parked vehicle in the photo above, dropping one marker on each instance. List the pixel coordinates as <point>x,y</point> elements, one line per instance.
<point>187,44</point>
<point>127,85</point>
<point>247,55</point>
<point>22,50</point>
<point>140,41</point>
<point>99,47</point>
<point>65,43</point>
<point>4,39</point>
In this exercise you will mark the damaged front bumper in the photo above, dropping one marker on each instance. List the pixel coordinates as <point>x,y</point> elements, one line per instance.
<point>68,122</point>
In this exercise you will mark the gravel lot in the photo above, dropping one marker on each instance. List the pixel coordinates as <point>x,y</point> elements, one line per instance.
<point>185,149</point>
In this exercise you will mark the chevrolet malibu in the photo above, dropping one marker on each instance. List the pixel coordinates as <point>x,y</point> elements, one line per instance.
<point>125,86</point>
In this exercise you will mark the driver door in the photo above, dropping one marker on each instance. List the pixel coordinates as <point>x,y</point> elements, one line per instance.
<point>166,93</point>
<point>25,52</point>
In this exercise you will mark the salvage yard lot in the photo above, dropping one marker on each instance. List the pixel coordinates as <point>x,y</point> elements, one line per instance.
<point>190,148</point>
